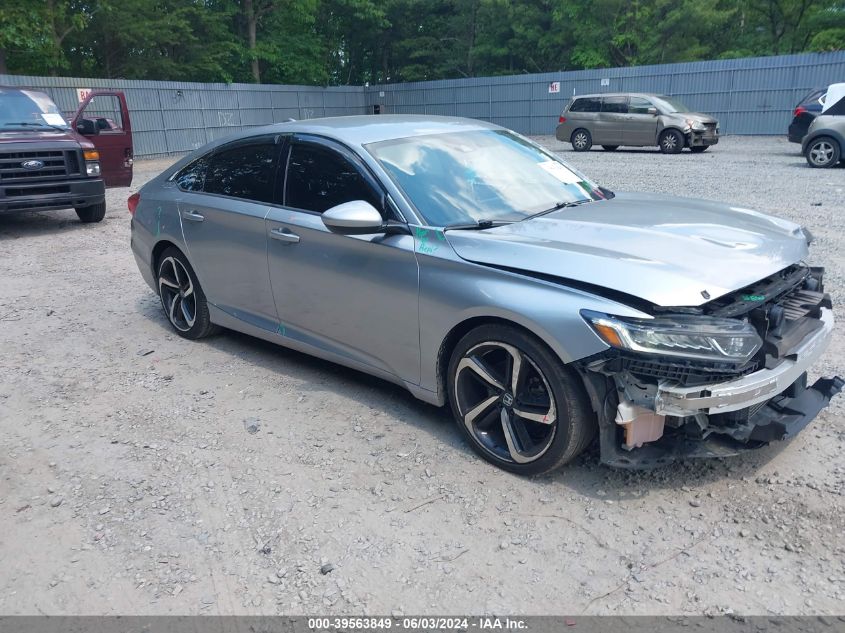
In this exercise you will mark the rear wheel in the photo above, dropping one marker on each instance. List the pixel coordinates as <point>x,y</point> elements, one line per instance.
<point>581,140</point>
<point>698,149</point>
<point>518,406</point>
<point>823,151</point>
<point>182,297</point>
<point>610,148</point>
<point>671,142</point>
<point>94,213</point>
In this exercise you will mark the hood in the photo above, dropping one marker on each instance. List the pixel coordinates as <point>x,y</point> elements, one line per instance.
<point>43,137</point>
<point>666,250</point>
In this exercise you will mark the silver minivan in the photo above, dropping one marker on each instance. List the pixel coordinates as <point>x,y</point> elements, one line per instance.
<point>635,119</point>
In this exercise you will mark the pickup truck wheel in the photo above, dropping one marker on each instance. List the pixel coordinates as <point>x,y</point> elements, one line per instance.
<point>517,405</point>
<point>182,297</point>
<point>671,142</point>
<point>698,149</point>
<point>94,213</point>
<point>823,151</point>
<point>581,140</point>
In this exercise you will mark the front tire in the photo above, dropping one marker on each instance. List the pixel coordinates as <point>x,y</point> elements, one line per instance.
<point>94,213</point>
<point>182,297</point>
<point>823,151</point>
<point>671,142</point>
<point>516,403</point>
<point>581,140</point>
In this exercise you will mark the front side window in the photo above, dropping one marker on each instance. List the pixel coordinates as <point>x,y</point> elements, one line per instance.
<point>245,171</point>
<point>588,104</point>
<point>319,178</point>
<point>615,104</point>
<point>638,105</point>
<point>669,105</point>
<point>463,177</point>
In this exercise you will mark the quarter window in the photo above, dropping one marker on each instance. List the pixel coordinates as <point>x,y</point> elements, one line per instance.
<point>319,179</point>
<point>638,105</point>
<point>245,171</point>
<point>192,177</point>
<point>614,104</point>
<point>588,104</point>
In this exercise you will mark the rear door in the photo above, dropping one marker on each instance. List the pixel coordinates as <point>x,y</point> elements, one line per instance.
<point>611,121</point>
<point>224,199</point>
<point>110,116</point>
<point>640,126</point>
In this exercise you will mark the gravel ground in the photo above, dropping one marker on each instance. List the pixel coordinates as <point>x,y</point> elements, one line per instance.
<point>144,474</point>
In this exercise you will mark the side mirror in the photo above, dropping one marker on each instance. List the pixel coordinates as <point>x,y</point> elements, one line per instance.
<point>653,111</point>
<point>357,217</point>
<point>87,127</point>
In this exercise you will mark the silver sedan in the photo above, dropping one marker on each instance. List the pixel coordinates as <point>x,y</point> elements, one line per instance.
<point>475,268</point>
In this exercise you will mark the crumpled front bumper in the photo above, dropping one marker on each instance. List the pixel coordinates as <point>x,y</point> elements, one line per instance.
<point>778,400</point>
<point>733,395</point>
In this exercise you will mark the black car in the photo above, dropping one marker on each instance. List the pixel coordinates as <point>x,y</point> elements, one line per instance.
<point>805,112</point>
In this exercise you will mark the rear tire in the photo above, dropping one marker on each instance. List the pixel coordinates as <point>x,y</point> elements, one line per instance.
<point>823,151</point>
<point>182,297</point>
<point>610,148</point>
<point>581,140</point>
<point>698,149</point>
<point>671,142</point>
<point>528,425</point>
<point>94,213</point>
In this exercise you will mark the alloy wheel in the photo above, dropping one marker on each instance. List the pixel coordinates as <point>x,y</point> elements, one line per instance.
<point>821,153</point>
<point>505,402</point>
<point>670,142</point>
<point>580,140</point>
<point>177,294</point>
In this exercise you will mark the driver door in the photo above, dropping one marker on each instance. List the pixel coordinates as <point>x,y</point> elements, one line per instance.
<point>112,134</point>
<point>354,297</point>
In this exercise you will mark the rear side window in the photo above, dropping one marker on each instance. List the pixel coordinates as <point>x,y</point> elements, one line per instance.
<point>320,178</point>
<point>245,171</point>
<point>614,104</point>
<point>192,177</point>
<point>588,104</point>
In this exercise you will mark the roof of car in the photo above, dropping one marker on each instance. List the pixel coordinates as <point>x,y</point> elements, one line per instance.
<point>647,95</point>
<point>364,129</point>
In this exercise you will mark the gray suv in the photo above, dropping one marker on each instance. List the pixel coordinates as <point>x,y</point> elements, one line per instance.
<point>637,119</point>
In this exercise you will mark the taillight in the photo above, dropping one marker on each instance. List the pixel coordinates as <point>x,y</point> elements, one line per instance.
<point>561,119</point>
<point>799,110</point>
<point>132,203</point>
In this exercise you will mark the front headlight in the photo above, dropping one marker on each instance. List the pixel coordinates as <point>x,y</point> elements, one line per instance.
<point>705,338</point>
<point>698,126</point>
<point>92,168</point>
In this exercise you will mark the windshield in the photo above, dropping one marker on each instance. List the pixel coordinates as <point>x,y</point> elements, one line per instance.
<point>482,175</point>
<point>35,109</point>
<point>668,105</point>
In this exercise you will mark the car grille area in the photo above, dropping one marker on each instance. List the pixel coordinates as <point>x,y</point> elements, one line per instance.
<point>55,164</point>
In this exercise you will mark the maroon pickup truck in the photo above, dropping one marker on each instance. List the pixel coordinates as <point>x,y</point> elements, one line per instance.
<point>48,163</point>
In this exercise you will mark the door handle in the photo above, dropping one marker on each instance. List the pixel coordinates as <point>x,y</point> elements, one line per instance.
<point>283,235</point>
<point>193,216</point>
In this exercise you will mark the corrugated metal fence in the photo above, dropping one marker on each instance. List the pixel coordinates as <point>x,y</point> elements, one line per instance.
<point>749,96</point>
<point>170,117</point>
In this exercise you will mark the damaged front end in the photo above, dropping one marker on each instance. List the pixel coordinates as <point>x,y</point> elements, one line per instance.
<point>712,381</point>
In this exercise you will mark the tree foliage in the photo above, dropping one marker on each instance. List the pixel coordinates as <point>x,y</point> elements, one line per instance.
<point>376,41</point>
